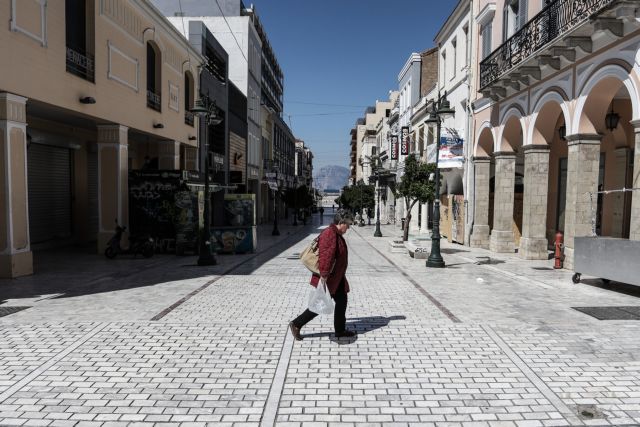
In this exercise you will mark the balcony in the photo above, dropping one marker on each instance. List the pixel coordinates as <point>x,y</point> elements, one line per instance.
<point>81,64</point>
<point>153,100</point>
<point>561,33</point>
<point>188,118</point>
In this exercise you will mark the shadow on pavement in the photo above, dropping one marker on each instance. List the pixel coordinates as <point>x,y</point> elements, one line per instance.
<point>71,272</point>
<point>361,325</point>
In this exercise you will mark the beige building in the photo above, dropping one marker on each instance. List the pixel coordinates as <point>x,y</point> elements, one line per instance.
<point>557,119</point>
<point>88,92</point>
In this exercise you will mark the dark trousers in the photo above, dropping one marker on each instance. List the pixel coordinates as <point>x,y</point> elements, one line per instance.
<point>339,314</point>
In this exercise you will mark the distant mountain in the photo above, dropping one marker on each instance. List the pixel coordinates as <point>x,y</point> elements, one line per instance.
<point>331,178</point>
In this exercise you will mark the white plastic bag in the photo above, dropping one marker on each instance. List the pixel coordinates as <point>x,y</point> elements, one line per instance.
<point>320,301</point>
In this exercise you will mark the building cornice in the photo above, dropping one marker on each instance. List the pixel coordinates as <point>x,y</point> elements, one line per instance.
<point>461,10</point>
<point>414,57</point>
<point>486,14</point>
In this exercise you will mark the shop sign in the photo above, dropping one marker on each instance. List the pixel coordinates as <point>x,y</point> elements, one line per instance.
<point>394,147</point>
<point>404,140</point>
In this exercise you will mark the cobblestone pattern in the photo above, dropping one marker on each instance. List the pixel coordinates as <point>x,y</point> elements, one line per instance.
<point>24,348</point>
<point>277,292</point>
<point>411,373</point>
<point>155,372</point>
<point>586,369</point>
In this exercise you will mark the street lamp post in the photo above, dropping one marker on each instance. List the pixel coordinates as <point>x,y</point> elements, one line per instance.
<point>295,201</point>
<point>208,111</point>
<point>275,231</point>
<point>378,233</point>
<point>440,110</point>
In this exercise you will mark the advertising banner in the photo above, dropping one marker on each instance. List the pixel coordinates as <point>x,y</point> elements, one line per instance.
<point>394,147</point>
<point>431,153</point>
<point>451,153</point>
<point>404,140</point>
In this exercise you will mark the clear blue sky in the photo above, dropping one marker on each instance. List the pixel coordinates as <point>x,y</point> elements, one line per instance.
<point>346,52</point>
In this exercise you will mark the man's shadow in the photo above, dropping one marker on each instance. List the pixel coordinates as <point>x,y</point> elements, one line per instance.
<point>361,325</point>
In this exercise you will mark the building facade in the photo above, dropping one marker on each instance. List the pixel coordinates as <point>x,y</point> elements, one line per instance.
<point>556,127</point>
<point>453,42</point>
<point>94,89</point>
<point>214,85</point>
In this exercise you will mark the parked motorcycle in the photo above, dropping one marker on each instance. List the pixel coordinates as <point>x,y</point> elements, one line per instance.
<point>142,245</point>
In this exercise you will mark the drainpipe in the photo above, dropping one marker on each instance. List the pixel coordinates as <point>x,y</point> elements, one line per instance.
<point>469,179</point>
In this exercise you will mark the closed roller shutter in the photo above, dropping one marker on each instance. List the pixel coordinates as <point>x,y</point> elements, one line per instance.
<point>49,192</point>
<point>92,176</point>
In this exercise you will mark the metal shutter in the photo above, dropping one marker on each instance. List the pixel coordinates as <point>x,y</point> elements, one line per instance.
<point>92,177</point>
<point>523,5</point>
<point>49,173</point>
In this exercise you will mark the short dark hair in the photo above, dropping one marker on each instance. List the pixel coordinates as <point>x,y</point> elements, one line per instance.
<point>343,217</point>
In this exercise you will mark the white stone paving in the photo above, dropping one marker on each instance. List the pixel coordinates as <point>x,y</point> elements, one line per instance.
<point>520,355</point>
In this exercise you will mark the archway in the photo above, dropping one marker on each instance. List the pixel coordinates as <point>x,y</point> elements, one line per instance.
<point>483,200</point>
<point>601,159</point>
<point>545,176</point>
<point>509,170</point>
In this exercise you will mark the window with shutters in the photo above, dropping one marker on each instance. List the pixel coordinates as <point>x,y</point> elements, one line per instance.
<point>454,54</point>
<point>486,39</point>
<point>514,17</point>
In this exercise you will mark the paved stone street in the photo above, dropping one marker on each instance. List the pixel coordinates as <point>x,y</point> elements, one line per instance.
<point>484,342</point>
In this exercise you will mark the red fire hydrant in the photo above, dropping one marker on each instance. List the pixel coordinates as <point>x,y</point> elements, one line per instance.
<point>558,254</point>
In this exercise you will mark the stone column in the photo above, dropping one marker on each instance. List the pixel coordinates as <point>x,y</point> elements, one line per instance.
<point>583,165</point>
<point>617,180</point>
<point>533,244</point>
<point>169,155</point>
<point>634,230</point>
<point>16,258</point>
<point>480,232</point>
<point>113,186</point>
<point>502,239</point>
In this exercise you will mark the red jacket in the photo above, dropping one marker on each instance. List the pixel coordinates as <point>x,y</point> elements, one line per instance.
<point>332,247</point>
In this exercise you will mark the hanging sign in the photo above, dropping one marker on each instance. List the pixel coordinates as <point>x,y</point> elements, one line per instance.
<point>394,147</point>
<point>451,153</point>
<point>404,138</point>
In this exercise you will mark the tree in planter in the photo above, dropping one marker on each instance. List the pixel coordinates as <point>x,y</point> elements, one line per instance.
<point>415,186</point>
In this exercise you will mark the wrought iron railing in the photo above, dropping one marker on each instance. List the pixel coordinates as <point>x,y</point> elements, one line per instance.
<point>558,18</point>
<point>81,64</point>
<point>153,100</point>
<point>188,118</point>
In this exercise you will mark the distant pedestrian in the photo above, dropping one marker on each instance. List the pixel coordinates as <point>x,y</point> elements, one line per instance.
<point>321,214</point>
<point>333,262</point>
<point>333,207</point>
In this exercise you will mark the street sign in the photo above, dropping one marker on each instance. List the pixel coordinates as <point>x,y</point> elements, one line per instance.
<point>404,138</point>
<point>394,147</point>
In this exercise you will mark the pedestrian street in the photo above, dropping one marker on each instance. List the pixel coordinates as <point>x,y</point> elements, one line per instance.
<point>485,341</point>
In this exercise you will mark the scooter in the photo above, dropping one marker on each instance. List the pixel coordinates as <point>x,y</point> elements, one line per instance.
<point>137,245</point>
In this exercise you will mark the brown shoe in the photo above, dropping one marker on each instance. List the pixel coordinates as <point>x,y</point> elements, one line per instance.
<point>295,331</point>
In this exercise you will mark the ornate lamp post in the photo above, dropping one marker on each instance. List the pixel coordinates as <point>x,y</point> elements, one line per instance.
<point>440,110</point>
<point>378,233</point>
<point>208,111</point>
